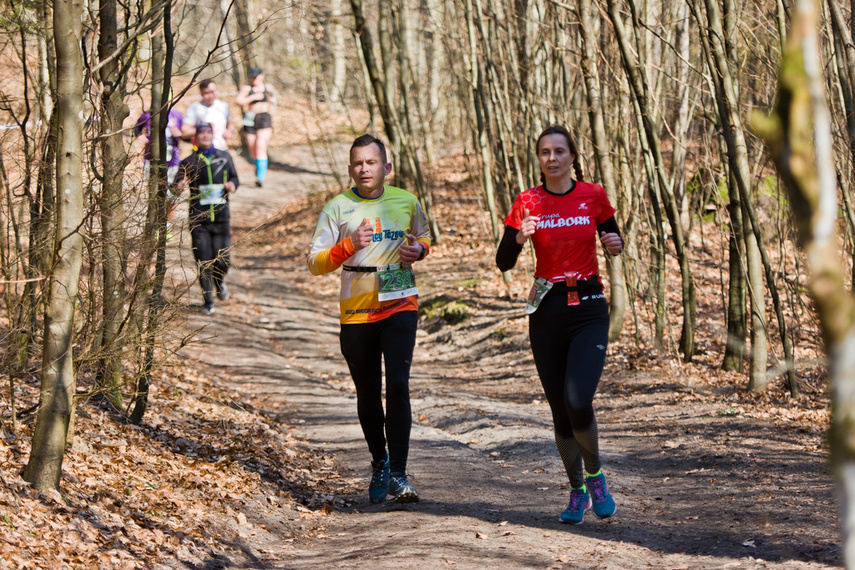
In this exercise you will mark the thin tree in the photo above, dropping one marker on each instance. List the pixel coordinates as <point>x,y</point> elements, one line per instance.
<point>56,401</point>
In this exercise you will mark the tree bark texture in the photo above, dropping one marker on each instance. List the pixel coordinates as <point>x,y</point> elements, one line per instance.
<point>113,162</point>
<point>56,401</point>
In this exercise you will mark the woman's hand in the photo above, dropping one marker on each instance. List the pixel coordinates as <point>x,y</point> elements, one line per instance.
<point>527,227</point>
<point>611,242</point>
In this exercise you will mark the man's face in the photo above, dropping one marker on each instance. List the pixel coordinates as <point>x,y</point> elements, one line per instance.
<point>209,93</point>
<point>367,169</point>
<point>205,138</point>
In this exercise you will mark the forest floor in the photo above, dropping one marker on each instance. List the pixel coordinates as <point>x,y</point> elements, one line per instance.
<point>251,455</point>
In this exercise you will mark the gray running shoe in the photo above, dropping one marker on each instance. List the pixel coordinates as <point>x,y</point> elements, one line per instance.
<point>222,292</point>
<point>401,490</point>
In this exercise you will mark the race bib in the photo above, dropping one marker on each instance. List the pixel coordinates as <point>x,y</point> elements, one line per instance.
<point>538,291</point>
<point>212,194</point>
<point>248,120</point>
<point>396,282</point>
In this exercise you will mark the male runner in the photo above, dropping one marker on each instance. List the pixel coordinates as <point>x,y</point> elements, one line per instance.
<point>375,233</point>
<point>210,173</point>
<point>212,111</point>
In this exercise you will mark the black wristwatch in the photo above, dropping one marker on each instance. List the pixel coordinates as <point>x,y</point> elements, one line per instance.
<point>423,254</point>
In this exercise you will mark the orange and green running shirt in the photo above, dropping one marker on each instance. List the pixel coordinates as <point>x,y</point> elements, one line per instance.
<point>394,214</point>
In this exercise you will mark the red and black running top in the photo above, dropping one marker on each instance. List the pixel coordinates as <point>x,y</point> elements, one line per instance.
<point>566,235</point>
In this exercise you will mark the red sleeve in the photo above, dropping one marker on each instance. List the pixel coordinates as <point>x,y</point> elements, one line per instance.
<point>515,216</point>
<point>606,209</point>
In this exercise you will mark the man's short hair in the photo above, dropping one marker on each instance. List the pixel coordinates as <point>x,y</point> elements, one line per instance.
<point>205,83</point>
<point>366,140</point>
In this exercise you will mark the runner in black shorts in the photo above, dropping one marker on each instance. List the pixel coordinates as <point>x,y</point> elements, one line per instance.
<point>259,121</point>
<point>256,100</point>
<point>569,319</point>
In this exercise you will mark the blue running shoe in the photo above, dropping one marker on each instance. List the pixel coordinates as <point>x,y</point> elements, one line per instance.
<point>379,486</point>
<point>580,502</point>
<point>604,505</point>
<point>401,490</point>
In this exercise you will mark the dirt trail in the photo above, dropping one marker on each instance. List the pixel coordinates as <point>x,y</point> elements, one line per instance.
<point>491,483</point>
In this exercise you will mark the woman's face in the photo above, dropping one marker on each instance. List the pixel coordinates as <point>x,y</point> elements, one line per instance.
<point>554,156</point>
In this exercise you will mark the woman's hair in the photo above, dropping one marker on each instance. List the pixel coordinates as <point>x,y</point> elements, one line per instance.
<point>571,145</point>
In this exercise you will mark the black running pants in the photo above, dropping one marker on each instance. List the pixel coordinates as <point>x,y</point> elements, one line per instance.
<point>569,348</point>
<point>211,243</point>
<point>363,346</point>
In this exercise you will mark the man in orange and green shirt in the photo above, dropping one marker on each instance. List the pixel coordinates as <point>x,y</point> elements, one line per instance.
<point>375,233</point>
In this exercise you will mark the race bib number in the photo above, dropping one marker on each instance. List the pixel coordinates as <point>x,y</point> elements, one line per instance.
<point>212,194</point>
<point>396,283</point>
<point>538,291</point>
<point>248,120</point>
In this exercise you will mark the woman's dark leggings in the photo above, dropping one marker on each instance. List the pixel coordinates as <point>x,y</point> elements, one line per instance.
<point>363,345</point>
<point>569,347</point>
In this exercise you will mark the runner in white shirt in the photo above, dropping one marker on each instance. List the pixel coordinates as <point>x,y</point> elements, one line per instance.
<point>212,111</point>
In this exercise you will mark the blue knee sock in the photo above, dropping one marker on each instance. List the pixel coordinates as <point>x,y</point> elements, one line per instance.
<point>260,168</point>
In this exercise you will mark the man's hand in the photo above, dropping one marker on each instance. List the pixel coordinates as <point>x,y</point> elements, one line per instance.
<point>410,251</point>
<point>230,186</point>
<point>527,227</point>
<point>612,242</point>
<point>362,236</point>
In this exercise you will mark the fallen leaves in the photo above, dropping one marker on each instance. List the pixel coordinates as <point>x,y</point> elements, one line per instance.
<point>179,486</point>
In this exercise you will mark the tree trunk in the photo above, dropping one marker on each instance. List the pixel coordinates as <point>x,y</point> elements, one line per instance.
<point>339,54</point>
<point>56,401</point>
<point>602,156</point>
<point>737,318</point>
<point>114,159</point>
<point>798,136</point>
<point>162,53</point>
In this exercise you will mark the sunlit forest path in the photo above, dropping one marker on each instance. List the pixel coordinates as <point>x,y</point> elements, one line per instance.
<point>696,487</point>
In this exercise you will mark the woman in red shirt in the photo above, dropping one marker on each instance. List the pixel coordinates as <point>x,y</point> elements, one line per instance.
<point>568,312</point>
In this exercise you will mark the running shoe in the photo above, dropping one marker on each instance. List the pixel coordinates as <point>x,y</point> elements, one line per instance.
<point>222,292</point>
<point>401,490</point>
<point>379,486</point>
<point>604,505</point>
<point>208,309</point>
<point>580,502</point>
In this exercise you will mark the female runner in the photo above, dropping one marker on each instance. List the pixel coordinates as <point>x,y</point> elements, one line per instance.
<point>568,313</point>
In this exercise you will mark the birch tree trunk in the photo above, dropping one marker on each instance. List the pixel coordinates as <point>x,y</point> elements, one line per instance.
<point>56,401</point>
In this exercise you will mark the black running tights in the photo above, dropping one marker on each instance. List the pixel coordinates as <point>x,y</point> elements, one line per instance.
<point>211,243</point>
<point>363,345</point>
<point>569,347</point>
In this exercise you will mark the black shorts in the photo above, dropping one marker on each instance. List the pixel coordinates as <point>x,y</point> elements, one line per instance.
<point>262,121</point>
